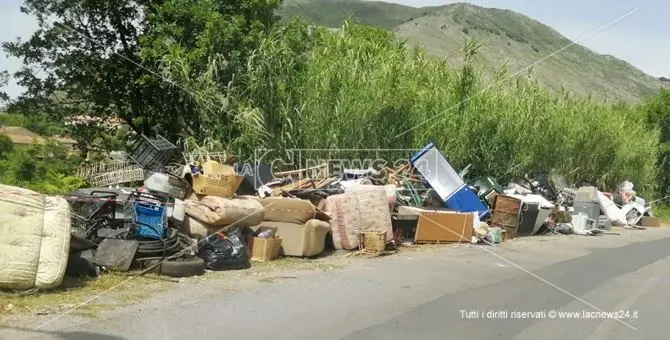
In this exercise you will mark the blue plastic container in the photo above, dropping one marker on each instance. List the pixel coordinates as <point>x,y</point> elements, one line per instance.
<point>466,200</point>
<point>150,221</point>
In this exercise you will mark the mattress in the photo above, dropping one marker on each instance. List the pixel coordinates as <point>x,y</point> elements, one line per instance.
<point>362,208</point>
<point>219,211</point>
<point>34,239</point>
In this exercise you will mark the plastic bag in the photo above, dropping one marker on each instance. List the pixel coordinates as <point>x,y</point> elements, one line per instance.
<point>225,253</point>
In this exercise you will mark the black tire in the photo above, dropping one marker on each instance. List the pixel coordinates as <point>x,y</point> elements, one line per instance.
<point>180,267</point>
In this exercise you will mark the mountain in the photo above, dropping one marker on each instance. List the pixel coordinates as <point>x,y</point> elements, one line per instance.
<point>506,37</point>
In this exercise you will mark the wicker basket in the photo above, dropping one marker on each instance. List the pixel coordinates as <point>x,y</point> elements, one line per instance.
<point>372,242</point>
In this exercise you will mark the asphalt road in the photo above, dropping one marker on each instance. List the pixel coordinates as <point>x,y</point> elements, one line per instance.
<point>445,294</point>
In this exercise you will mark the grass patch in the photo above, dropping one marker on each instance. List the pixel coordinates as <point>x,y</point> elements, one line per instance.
<point>662,212</point>
<point>268,279</point>
<point>295,263</point>
<point>75,291</point>
<point>92,310</point>
<point>325,263</point>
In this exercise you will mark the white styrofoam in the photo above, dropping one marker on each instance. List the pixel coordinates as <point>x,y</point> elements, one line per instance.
<point>611,210</point>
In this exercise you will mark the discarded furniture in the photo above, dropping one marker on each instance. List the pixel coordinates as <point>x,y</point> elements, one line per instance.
<point>372,242</point>
<point>301,240</point>
<point>507,214</point>
<point>361,208</point>
<point>404,227</point>
<point>442,226</point>
<point>450,187</point>
<point>534,212</point>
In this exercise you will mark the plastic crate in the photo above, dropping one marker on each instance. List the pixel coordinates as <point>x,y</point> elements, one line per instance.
<point>149,221</point>
<point>153,153</point>
<point>148,198</point>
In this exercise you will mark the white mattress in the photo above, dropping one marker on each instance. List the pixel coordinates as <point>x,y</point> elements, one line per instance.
<point>34,239</point>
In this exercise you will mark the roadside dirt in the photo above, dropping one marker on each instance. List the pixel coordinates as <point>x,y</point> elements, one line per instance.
<point>83,301</point>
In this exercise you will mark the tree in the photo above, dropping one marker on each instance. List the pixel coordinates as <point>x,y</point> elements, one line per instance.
<point>201,48</point>
<point>4,79</point>
<point>48,168</point>
<point>103,58</point>
<point>6,147</point>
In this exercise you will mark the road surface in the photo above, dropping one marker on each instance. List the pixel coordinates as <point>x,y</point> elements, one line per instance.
<point>454,292</point>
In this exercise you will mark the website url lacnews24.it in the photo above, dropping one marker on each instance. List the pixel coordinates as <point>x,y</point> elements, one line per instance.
<point>547,314</point>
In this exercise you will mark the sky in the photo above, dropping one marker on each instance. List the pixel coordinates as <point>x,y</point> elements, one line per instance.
<point>637,31</point>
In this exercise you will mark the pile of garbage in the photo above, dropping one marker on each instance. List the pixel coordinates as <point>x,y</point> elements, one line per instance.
<point>219,214</point>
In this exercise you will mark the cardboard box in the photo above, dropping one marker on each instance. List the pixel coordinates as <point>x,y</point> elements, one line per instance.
<point>264,249</point>
<point>444,226</point>
<point>651,222</point>
<point>216,180</point>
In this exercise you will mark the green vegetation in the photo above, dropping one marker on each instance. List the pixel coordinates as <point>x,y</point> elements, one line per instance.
<point>75,291</point>
<point>49,168</point>
<point>89,55</point>
<point>357,88</point>
<point>227,71</point>
<point>40,125</point>
<point>507,38</point>
<point>331,13</point>
<point>658,116</point>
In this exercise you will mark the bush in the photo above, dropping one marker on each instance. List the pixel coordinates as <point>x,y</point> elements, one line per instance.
<point>48,169</point>
<point>358,88</point>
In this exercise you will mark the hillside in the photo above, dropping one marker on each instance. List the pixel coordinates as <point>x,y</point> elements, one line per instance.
<point>506,36</point>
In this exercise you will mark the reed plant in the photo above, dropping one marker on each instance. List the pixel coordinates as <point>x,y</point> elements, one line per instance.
<point>358,87</point>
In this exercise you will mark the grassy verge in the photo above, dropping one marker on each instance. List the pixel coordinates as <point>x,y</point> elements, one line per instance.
<point>121,289</point>
<point>75,291</point>
<point>662,212</point>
